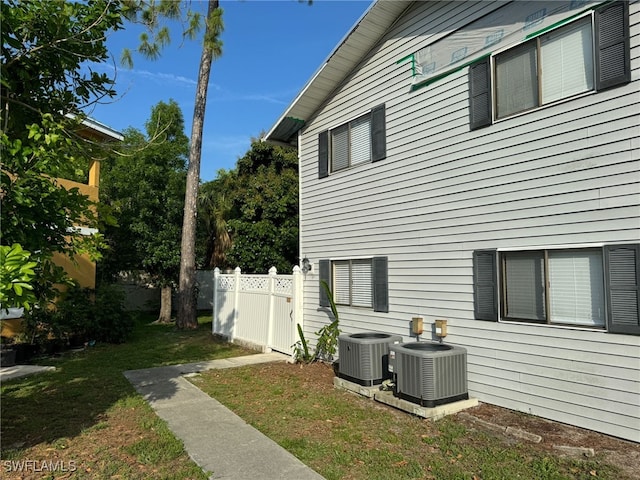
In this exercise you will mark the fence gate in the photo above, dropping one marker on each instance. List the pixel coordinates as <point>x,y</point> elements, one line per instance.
<point>258,309</point>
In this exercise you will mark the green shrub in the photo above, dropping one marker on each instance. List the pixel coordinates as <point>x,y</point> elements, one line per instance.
<point>83,313</point>
<point>113,322</point>
<point>327,343</point>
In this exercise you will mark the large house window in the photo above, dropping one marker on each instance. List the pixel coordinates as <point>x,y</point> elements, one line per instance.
<point>554,286</point>
<point>588,287</point>
<point>589,53</point>
<point>549,68</point>
<point>356,282</point>
<point>359,141</point>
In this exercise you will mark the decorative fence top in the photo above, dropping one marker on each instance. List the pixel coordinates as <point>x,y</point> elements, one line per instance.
<point>282,284</point>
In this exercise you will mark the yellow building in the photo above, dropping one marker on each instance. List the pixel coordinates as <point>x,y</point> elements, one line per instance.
<point>82,269</point>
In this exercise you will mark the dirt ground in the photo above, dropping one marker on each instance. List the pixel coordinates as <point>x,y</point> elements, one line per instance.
<point>622,453</point>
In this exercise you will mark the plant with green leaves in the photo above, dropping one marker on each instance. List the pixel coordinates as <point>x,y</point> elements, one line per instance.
<point>149,211</point>
<point>327,343</point>
<point>263,218</point>
<point>301,351</point>
<point>16,277</point>
<point>45,85</point>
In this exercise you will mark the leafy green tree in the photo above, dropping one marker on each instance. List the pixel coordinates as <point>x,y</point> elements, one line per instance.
<point>214,210</point>
<point>45,46</point>
<point>149,209</point>
<point>256,206</point>
<point>16,275</point>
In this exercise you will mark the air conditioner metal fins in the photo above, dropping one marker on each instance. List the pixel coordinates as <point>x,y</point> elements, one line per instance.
<point>364,357</point>
<point>429,374</point>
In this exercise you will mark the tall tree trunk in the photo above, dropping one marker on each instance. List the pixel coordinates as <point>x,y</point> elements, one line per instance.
<point>165,305</point>
<point>187,302</point>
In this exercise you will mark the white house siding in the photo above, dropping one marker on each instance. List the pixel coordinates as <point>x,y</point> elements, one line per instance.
<point>567,174</point>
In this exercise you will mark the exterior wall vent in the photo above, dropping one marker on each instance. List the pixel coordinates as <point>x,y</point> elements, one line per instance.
<point>429,374</point>
<point>364,357</point>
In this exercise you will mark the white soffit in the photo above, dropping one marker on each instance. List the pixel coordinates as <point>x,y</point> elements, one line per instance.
<point>350,51</point>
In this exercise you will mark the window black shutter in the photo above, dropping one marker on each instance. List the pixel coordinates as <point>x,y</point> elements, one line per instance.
<point>622,283</point>
<point>323,154</point>
<point>325,275</point>
<point>378,134</point>
<point>613,63</point>
<point>480,94</point>
<point>485,285</point>
<point>380,284</point>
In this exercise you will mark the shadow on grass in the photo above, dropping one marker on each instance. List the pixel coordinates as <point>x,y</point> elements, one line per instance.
<point>86,385</point>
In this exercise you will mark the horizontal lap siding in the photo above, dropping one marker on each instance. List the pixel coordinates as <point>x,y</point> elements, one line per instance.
<point>567,174</point>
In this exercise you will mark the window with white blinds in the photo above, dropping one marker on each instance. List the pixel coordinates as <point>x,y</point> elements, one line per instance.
<point>351,143</point>
<point>548,68</point>
<point>342,282</point>
<point>361,283</point>
<point>576,287</point>
<point>567,61</point>
<point>590,52</point>
<point>353,282</point>
<point>361,140</point>
<point>554,286</point>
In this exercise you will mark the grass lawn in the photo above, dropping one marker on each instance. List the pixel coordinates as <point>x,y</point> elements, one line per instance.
<point>88,421</point>
<point>87,417</point>
<point>344,436</point>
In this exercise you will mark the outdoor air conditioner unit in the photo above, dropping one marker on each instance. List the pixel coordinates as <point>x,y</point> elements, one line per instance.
<point>428,373</point>
<point>363,357</point>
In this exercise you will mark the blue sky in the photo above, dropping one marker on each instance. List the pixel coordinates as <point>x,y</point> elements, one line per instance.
<point>271,49</point>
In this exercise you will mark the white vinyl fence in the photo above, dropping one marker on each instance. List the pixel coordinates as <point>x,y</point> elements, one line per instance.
<point>261,310</point>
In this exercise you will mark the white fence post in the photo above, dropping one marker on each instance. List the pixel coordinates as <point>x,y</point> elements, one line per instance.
<point>297,288</point>
<point>236,299</point>
<point>272,288</point>
<point>216,274</point>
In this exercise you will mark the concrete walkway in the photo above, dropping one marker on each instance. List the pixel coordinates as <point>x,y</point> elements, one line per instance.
<point>219,441</point>
<point>17,371</point>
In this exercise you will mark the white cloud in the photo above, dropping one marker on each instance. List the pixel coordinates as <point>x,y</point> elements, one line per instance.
<point>278,98</point>
<point>164,78</point>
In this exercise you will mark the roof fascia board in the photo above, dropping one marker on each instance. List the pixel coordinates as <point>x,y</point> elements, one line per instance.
<point>305,90</point>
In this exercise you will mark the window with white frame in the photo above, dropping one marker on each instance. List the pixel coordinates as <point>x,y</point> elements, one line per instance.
<point>548,68</point>
<point>583,287</point>
<point>353,283</point>
<point>351,144</point>
<point>590,52</point>
<point>356,142</point>
<point>554,286</point>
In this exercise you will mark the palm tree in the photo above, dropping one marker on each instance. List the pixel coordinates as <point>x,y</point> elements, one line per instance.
<point>212,48</point>
<point>215,207</point>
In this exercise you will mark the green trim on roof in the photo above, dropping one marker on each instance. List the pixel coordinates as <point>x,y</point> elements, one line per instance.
<point>431,80</point>
<point>563,21</point>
